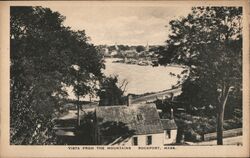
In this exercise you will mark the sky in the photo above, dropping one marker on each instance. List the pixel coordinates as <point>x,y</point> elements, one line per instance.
<point>122,24</point>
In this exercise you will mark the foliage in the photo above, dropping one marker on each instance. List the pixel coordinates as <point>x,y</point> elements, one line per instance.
<point>140,48</point>
<point>110,93</point>
<point>85,133</point>
<point>123,47</point>
<point>198,126</point>
<point>43,53</point>
<point>209,41</point>
<point>85,65</point>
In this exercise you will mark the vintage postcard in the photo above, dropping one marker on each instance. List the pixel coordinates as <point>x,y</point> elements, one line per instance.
<point>124,78</point>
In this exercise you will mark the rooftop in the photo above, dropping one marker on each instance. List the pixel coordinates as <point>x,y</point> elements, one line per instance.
<point>139,118</point>
<point>168,124</point>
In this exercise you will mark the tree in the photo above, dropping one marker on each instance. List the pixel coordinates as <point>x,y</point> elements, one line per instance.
<point>110,93</point>
<point>43,53</point>
<point>33,83</point>
<point>123,47</point>
<point>140,48</point>
<point>85,68</point>
<point>209,41</point>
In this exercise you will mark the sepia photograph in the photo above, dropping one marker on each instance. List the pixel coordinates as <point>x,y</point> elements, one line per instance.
<point>122,75</point>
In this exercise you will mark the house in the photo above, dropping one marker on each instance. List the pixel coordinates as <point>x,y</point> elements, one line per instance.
<point>113,53</point>
<point>133,125</point>
<point>130,53</point>
<point>170,130</point>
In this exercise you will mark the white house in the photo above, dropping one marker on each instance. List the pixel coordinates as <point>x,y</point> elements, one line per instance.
<point>133,125</point>
<point>114,52</point>
<point>170,130</point>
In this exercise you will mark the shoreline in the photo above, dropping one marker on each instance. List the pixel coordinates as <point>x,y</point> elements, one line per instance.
<point>144,62</point>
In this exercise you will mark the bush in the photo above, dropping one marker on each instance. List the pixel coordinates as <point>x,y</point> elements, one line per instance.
<point>194,127</point>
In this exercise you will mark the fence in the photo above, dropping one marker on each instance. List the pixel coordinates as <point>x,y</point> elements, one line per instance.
<point>227,133</point>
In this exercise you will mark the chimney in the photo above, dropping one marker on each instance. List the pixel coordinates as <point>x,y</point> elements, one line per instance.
<point>172,114</point>
<point>172,96</point>
<point>129,99</point>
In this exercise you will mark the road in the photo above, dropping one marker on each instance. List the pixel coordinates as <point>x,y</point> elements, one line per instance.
<point>157,95</point>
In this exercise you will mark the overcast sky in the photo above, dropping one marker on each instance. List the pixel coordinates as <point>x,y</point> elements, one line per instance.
<point>131,25</point>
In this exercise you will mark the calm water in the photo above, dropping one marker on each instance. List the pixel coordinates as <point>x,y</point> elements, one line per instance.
<point>142,79</point>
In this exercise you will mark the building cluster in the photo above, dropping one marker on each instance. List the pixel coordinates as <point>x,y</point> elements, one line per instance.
<point>130,54</point>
